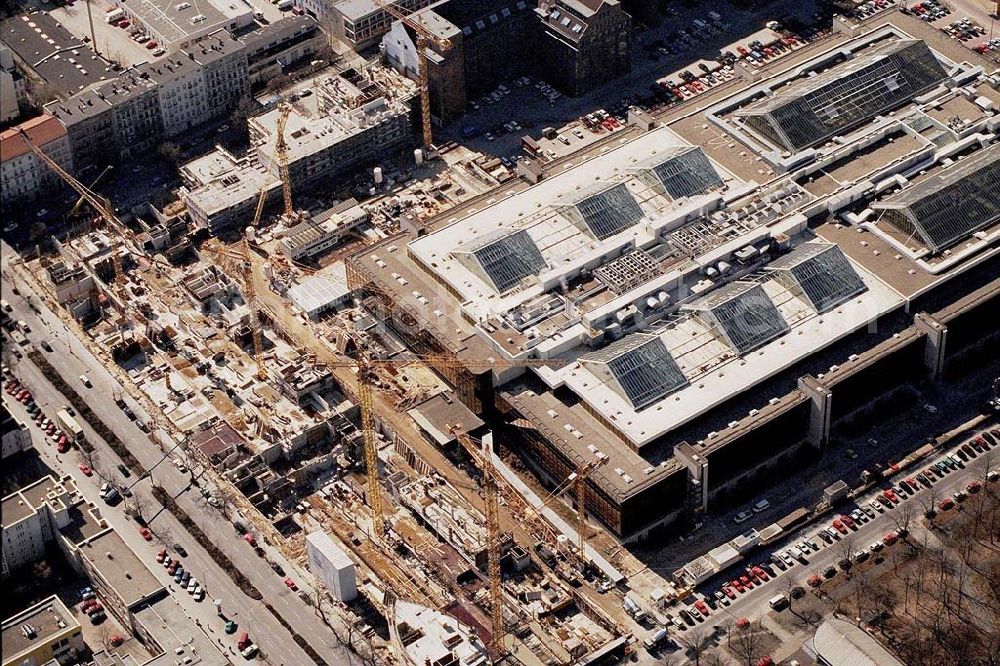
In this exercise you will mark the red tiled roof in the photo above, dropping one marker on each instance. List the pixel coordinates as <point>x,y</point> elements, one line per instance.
<point>41,130</point>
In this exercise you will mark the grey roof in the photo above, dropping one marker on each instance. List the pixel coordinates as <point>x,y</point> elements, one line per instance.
<point>841,643</point>
<point>639,368</point>
<point>66,63</point>
<point>821,273</point>
<point>682,172</point>
<point>608,210</point>
<point>951,204</point>
<point>743,314</point>
<point>507,260</point>
<point>814,109</point>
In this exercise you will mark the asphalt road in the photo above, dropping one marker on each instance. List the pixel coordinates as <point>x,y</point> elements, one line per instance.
<point>72,359</point>
<point>753,603</point>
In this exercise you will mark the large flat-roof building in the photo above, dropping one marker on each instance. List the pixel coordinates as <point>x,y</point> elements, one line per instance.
<point>352,121</point>
<point>671,283</point>
<point>178,25</point>
<point>41,633</point>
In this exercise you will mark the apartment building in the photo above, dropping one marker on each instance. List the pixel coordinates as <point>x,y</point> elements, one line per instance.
<point>151,102</point>
<point>276,46</point>
<point>24,175</point>
<point>358,23</point>
<point>15,436</point>
<point>574,45</point>
<point>41,634</point>
<point>586,43</point>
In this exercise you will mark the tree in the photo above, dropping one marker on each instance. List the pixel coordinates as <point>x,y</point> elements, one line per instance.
<point>697,645</point>
<point>276,83</point>
<point>747,643</point>
<point>171,152</point>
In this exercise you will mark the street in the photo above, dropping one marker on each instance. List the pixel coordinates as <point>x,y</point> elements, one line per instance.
<point>71,359</point>
<point>753,603</point>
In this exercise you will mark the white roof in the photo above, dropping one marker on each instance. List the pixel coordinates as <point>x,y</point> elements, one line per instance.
<point>715,371</point>
<point>320,291</point>
<point>840,643</point>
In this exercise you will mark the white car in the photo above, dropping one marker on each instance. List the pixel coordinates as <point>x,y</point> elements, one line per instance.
<point>85,381</point>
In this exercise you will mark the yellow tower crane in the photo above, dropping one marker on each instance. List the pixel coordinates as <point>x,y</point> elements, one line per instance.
<point>578,482</point>
<point>281,157</point>
<point>424,39</point>
<point>100,204</point>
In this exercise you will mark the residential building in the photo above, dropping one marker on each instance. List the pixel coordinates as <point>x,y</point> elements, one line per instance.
<point>12,91</point>
<point>586,43</point>
<point>358,23</point>
<point>147,104</point>
<point>352,120</point>
<point>44,632</point>
<point>15,436</point>
<point>24,175</point>
<point>274,47</point>
<point>573,45</point>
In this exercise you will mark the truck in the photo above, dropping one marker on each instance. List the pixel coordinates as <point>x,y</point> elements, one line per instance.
<point>115,15</point>
<point>285,5</point>
<point>655,639</point>
<point>69,425</point>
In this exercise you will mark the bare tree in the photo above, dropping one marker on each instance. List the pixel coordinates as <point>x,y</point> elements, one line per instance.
<point>697,645</point>
<point>845,547</point>
<point>747,644</point>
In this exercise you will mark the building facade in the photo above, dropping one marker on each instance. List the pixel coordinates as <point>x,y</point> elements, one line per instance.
<point>24,175</point>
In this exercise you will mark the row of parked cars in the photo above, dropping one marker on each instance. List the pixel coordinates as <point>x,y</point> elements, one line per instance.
<point>140,36</point>
<point>928,10</point>
<point>871,8</point>
<point>52,431</point>
<point>964,29</point>
<point>841,526</point>
<point>182,577</point>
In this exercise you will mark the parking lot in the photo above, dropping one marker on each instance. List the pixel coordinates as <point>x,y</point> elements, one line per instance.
<point>112,42</point>
<point>658,51</point>
<point>860,533</point>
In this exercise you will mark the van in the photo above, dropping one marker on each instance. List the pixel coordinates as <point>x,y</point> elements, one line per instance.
<point>778,601</point>
<point>655,639</point>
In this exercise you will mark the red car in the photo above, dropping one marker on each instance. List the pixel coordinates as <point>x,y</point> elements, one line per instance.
<point>62,446</point>
<point>702,607</point>
<point>974,487</point>
<point>946,504</point>
<point>889,539</point>
<point>747,583</point>
<point>737,585</point>
<point>160,556</point>
<point>814,581</point>
<point>291,584</point>
<point>86,470</point>
<point>891,495</point>
<point>726,590</point>
<point>145,533</point>
<point>839,526</point>
<point>760,573</point>
<point>847,520</point>
<point>151,44</point>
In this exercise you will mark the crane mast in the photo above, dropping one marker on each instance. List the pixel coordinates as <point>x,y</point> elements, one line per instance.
<point>424,39</point>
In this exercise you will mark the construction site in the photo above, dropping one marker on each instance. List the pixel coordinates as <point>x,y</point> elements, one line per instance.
<point>484,396</point>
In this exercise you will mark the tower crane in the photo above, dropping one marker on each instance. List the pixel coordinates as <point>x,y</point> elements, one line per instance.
<point>578,482</point>
<point>424,39</point>
<point>99,202</point>
<point>244,268</point>
<point>281,157</point>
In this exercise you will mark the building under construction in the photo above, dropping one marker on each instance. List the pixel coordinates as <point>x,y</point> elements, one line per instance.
<point>352,120</point>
